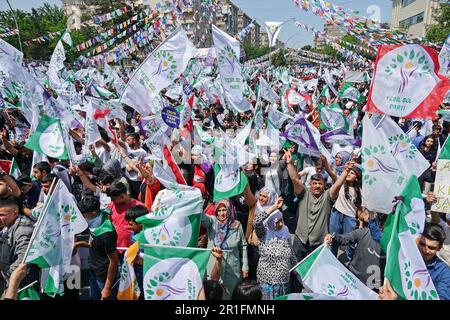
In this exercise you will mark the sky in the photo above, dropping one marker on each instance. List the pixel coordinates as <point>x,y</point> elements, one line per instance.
<point>271,10</point>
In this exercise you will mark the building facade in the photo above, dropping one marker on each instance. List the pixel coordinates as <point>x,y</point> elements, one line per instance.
<point>227,16</point>
<point>332,31</point>
<point>413,15</point>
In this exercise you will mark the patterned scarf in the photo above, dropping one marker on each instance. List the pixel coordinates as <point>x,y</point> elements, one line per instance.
<point>223,230</point>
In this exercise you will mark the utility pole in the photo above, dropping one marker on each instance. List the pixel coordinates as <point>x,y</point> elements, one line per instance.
<point>17,26</point>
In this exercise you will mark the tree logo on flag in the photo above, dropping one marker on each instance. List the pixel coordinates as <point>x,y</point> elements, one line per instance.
<point>372,164</point>
<point>165,64</point>
<point>173,279</point>
<point>408,64</point>
<point>227,54</point>
<point>51,141</point>
<point>415,281</point>
<point>402,144</point>
<point>165,236</point>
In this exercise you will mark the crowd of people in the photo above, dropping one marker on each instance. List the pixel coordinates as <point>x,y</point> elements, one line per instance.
<point>292,203</point>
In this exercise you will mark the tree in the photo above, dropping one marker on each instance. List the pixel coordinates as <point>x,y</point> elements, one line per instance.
<point>47,19</point>
<point>253,52</point>
<point>438,32</point>
<point>307,47</point>
<point>279,58</point>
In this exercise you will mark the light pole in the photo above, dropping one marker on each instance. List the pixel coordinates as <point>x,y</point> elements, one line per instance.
<point>17,26</point>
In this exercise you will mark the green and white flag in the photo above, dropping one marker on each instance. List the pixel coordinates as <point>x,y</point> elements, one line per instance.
<point>267,92</point>
<point>307,296</point>
<point>332,118</point>
<point>100,92</point>
<point>405,268</point>
<point>161,67</point>
<point>349,92</point>
<point>229,181</point>
<point>380,171</point>
<point>442,182</point>
<point>29,293</point>
<point>230,70</point>
<point>174,273</point>
<point>48,139</point>
<point>176,221</point>
<point>321,272</point>
<point>325,92</point>
<point>409,159</point>
<point>52,241</point>
<point>92,134</point>
<point>276,118</point>
<point>14,171</point>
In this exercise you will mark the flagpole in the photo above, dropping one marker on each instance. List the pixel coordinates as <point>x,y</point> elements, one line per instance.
<point>28,286</point>
<point>379,122</point>
<point>176,247</point>
<point>40,219</point>
<point>306,257</point>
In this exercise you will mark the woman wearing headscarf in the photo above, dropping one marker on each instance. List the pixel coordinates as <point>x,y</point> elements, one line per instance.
<point>341,158</point>
<point>226,233</point>
<point>275,249</point>
<point>266,197</point>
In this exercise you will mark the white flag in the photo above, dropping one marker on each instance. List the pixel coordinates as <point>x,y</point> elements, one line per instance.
<point>54,234</point>
<point>228,52</point>
<point>380,171</point>
<point>267,92</point>
<point>321,272</point>
<point>91,129</point>
<point>409,159</point>
<point>159,70</point>
<point>444,58</point>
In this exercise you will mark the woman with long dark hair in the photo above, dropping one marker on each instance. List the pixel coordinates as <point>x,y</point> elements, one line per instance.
<point>427,150</point>
<point>343,215</point>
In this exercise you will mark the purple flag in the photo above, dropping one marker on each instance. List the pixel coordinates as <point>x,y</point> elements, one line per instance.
<point>299,133</point>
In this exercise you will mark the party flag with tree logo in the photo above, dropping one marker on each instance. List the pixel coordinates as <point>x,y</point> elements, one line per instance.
<point>128,286</point>
<point>349,92</point>
<point>176,220</point>
<point>174,273</point>
<point>52,241</point>
<point>406,82</point>
<point>380,170</point>
<point>405,267</point>
<point>322,273</point>
<point>48,139</point>
<point>159,70</point>
<point>229,181</point>
<point>228,52</point>
<point>332,118</point>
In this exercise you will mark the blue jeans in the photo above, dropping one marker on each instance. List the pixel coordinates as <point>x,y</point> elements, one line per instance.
<point>341,224</point>
<point>96,287</point>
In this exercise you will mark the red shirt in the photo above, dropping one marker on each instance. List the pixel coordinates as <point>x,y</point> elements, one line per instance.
<point>120,224</point>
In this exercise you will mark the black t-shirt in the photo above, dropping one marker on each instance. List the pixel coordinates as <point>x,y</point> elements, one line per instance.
<point>102,246</point>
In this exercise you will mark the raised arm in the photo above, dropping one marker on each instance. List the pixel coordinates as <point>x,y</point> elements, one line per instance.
<point>298,185</point>
<point>262,215</point>
<point>15,190</point>
<point>334,190</point>
<point>8,146</point>
<point>84,179</point>
<point>328,169</point>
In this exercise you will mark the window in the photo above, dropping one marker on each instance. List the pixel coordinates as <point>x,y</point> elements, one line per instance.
<point>418,18</point>
<point>407,2</point>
